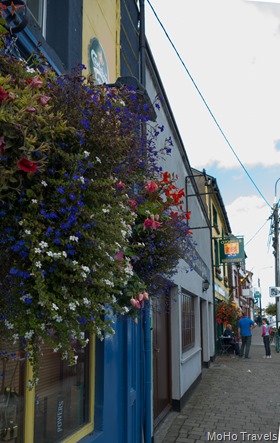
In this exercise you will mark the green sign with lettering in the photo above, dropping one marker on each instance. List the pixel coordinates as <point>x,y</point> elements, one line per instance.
<point>231,249</point>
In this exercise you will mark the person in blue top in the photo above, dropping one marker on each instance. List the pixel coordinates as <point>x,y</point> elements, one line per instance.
<point>245,326</point>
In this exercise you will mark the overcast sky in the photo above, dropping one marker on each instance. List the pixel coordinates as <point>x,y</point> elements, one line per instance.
<point>232,51</point>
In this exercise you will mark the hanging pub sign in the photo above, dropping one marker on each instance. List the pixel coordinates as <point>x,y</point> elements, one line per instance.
<point>231,250</point>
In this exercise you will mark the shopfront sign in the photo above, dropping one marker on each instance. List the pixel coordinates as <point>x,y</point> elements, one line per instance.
<point>231,250</point>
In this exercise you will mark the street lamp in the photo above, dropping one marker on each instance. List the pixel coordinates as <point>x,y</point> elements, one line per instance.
<point>276,248</point>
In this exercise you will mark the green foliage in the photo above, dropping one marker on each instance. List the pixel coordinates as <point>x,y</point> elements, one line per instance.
<point>271,309</point>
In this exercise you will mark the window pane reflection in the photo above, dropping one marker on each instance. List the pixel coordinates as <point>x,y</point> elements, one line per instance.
<point>61,399</point>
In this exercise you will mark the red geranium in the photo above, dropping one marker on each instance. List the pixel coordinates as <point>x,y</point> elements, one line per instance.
<point>26,165</point>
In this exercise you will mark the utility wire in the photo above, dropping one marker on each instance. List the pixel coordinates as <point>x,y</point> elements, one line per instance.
<point>257,232</point>
<point>207,106</point>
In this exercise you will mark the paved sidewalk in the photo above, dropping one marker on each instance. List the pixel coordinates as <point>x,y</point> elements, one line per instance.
<point>236,400</point>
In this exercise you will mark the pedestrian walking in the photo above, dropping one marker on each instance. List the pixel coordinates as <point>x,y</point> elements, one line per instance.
<point>245,326</point>
<point>266,331</point>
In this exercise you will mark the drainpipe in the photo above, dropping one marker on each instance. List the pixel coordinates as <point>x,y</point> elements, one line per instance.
<point>146,317</point>
<point>147,374</point>
<point>142,44</point>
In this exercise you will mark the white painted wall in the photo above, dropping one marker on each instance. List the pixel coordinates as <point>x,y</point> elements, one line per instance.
<point>186,367</point>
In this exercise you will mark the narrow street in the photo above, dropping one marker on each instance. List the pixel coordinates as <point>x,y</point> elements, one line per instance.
<point>236,400</point>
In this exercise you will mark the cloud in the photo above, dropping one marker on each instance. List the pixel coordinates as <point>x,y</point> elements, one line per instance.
<point>250,217</point>
<point>231,51</point>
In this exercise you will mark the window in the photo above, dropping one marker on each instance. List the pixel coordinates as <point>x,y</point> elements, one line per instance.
<point>188,335</point>
<point>61,400</point>
<point>215,219</point>
<point>38,10</point>
<point>216,253</point>
<point>59,408</point>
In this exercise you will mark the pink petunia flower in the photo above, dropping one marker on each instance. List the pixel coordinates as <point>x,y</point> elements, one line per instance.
<point>119,255</point>
<point>150,223</point>
<point>35,82</point>
<point>31,109</point>
<point>151,187</point>
<point>44,100</point>
<point>135,303</point>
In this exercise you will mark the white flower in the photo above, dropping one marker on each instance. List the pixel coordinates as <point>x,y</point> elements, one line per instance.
<point>83,274</point>
<point>82,180</point>
<point>31,70</point>
<point>64,254</point>
<point>108,283</point>
<point>86,301</point>
<point>20,222</point>
<point>86,154</point>
<point>124,233</point>
<point>58,318</point>
<point>98,159</point>
<point>85,268</point>
<point>54,306</point>
<point>37,250</point>
<point>44,183</point>
<point>106,211</point>
<point>27,231</point>
<point>125,309</point>
<point>9,325</point>
<point>15,337</point>
<point>74,262</point>
<point>72,306</point>
<point>43,244</point>
<point>28,335</point>
<point>73,238</point>
<point>34,200</point>
<point>38,264</point>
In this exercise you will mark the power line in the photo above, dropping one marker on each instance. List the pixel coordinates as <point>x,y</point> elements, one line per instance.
<point>257,232</point>
<point>207,106</point>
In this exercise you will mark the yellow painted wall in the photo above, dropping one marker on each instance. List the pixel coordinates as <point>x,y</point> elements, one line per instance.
<point>101,19</point>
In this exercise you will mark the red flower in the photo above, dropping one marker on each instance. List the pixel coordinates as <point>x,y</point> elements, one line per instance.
<point>120,186</point>
<point>2,144</point>
<point>3,94</point>
<point>133,203</point>
<point>26,165</point>
<point>166,177</point>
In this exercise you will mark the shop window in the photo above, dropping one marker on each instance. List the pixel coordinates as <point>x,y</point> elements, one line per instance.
<point>59,409</point>
<point>61,397</point>
<point>188,320</point>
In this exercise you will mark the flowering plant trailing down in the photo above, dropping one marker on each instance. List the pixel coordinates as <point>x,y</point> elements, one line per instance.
<point>228,312</point>
<point>161,228</point>
<point>89,221</point>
